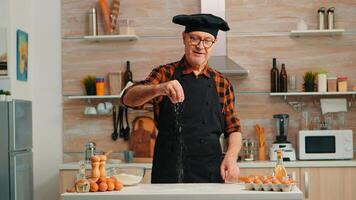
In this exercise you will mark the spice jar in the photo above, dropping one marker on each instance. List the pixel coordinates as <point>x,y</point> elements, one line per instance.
<point>332,84</point>
<point>249,150</point>
<point>342,84</point>
<point>100,86</point>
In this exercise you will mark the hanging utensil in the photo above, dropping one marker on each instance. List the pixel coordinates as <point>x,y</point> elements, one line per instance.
<point>115,134</point>
<point>121,119</point>
<point>127,129</point>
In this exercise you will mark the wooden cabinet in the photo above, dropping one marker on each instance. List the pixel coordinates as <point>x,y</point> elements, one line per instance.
<point>328,183</point>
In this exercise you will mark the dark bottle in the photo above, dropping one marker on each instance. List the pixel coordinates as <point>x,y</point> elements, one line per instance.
<point>128,73</point>
<point>274,77</point>
<point>283,83</point>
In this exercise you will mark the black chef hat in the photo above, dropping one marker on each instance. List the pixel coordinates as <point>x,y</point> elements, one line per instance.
<point>201,22</point>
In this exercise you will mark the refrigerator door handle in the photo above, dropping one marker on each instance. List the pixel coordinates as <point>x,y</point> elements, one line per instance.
<point>20,151</point>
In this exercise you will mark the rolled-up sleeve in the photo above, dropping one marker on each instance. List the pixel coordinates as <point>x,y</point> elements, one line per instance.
<point>155,77</point>
<point>232,122</point>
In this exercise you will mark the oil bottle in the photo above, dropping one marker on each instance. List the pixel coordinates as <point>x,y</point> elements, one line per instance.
<point>279,170</point>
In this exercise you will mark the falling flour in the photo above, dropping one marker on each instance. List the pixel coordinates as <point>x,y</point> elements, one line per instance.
<point>128,179</point>
<point>178,108</point>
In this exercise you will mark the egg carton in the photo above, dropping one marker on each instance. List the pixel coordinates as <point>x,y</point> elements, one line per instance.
<point>270,187</point>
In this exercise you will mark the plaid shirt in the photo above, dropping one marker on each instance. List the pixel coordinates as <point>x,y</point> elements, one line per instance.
<point>224,90</point>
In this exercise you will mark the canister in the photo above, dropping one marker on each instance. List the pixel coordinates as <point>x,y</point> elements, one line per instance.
<point>332,84</point>
<point>321,18</point>
<point>100,86</point>
<point>322,82</point>
<point>93,22</point>
<point>342,84</point>
<point>331,17</point>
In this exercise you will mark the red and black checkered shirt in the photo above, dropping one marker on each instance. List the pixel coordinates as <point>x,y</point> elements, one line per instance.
<point>224,90</point>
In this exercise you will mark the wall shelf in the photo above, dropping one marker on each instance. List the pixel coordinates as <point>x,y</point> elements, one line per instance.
<point>89,98</point>
<point>301,33</point>
<point>111,37</point>
<point>93,97</point>
<point>4,77</point>
<point>285,94</point>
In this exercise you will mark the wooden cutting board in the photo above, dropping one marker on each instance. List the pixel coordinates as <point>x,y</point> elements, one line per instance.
<point>143,137</point>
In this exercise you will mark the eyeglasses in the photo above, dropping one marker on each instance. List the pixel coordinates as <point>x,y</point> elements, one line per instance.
<point>195,41</point>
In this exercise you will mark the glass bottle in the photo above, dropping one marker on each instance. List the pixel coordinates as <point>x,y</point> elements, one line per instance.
<point>81,183</point>
<point>279,170</point>
<point>274,76</point>
<point>283,80</point>
<point>128,73</point>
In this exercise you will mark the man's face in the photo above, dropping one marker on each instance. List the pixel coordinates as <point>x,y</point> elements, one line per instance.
<point>197,50</point>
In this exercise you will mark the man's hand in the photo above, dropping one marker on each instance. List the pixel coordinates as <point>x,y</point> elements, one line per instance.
<point>173,89</point>
<point>229,169</point>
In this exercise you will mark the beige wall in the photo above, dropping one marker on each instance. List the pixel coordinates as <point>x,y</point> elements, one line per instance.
<point>259,31</point>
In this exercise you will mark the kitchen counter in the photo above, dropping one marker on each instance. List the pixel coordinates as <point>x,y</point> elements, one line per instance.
<point>184,192</point>
<point>253,164</point>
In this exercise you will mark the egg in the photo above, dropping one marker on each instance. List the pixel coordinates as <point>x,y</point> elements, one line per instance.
<point>286,182</point>
<point>257,181</point>
<point>114,178</point>
<point>276,181</point>
<point>110,180</point>
<point>72,189</point>
<point>118,185</point>
<point>111,186</point>
<point>103,187</point>
<point>250,180</point>
<point>102,180</point>
<point>267,181</point>
<point>94,187</point>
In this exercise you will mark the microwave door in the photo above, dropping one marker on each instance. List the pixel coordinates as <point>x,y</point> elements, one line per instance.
<point>20,125</point>
<point>21,175</point>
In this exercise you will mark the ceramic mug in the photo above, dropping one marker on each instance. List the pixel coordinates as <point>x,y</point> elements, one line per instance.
<point>90,110</point>
<point>101,108</point>
<point>108,107</point>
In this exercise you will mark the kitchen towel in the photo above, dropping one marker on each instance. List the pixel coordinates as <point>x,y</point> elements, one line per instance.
<point>126,86</point>
<point>333,105</point>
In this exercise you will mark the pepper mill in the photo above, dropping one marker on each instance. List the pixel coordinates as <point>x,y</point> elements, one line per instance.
<point>102,166</point>
<point>95,172</point>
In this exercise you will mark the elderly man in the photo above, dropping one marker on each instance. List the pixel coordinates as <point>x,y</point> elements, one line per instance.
<point>194,105</point>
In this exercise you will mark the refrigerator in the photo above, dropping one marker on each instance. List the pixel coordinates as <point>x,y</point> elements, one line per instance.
<point>16,157</point>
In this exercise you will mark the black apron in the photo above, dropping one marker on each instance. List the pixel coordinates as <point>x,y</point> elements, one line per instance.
<point>187,148</point>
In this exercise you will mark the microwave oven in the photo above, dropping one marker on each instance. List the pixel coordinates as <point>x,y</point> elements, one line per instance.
<point>325,145</point>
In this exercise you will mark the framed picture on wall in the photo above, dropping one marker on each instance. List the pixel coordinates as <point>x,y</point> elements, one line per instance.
<point>3,52</point>
<point>22,55</point>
